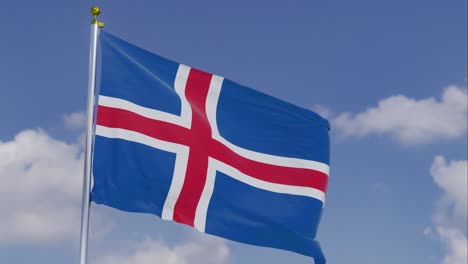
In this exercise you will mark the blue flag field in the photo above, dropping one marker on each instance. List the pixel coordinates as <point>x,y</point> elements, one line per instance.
<point>201,150</point>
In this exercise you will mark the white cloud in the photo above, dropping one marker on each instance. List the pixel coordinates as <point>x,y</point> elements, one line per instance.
<point>207,250</point>
<point>41,180</point>
<point>75,120</point>
<point>428,232</point>
<point>323,111</point>
<point>451,212</point>
<point>456,243</point>
<point>452,178</point>
<point>410,120</point>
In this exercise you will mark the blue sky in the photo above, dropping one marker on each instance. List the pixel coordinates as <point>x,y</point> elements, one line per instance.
<point>391,77</point>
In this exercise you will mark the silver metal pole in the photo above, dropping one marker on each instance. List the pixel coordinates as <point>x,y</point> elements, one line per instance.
<point>85,209</point>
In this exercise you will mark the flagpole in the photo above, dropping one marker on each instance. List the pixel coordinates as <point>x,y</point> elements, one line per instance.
<point>85,209</point>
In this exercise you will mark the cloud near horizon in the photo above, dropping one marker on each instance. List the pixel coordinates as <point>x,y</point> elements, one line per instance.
<point>450,216</point>
<point>41,187</point>
<point>206,250</point>
<point>411,121</point>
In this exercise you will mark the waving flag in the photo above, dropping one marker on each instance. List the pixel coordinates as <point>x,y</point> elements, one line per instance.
<point>201,150</point>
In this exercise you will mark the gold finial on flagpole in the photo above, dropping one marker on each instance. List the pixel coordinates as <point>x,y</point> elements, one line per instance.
<point>95,11</point>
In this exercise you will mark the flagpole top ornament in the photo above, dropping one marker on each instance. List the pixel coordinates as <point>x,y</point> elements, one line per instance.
<point>95,11</point>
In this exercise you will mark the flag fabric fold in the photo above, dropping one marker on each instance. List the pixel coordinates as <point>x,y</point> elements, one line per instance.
<point>198,149</point>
